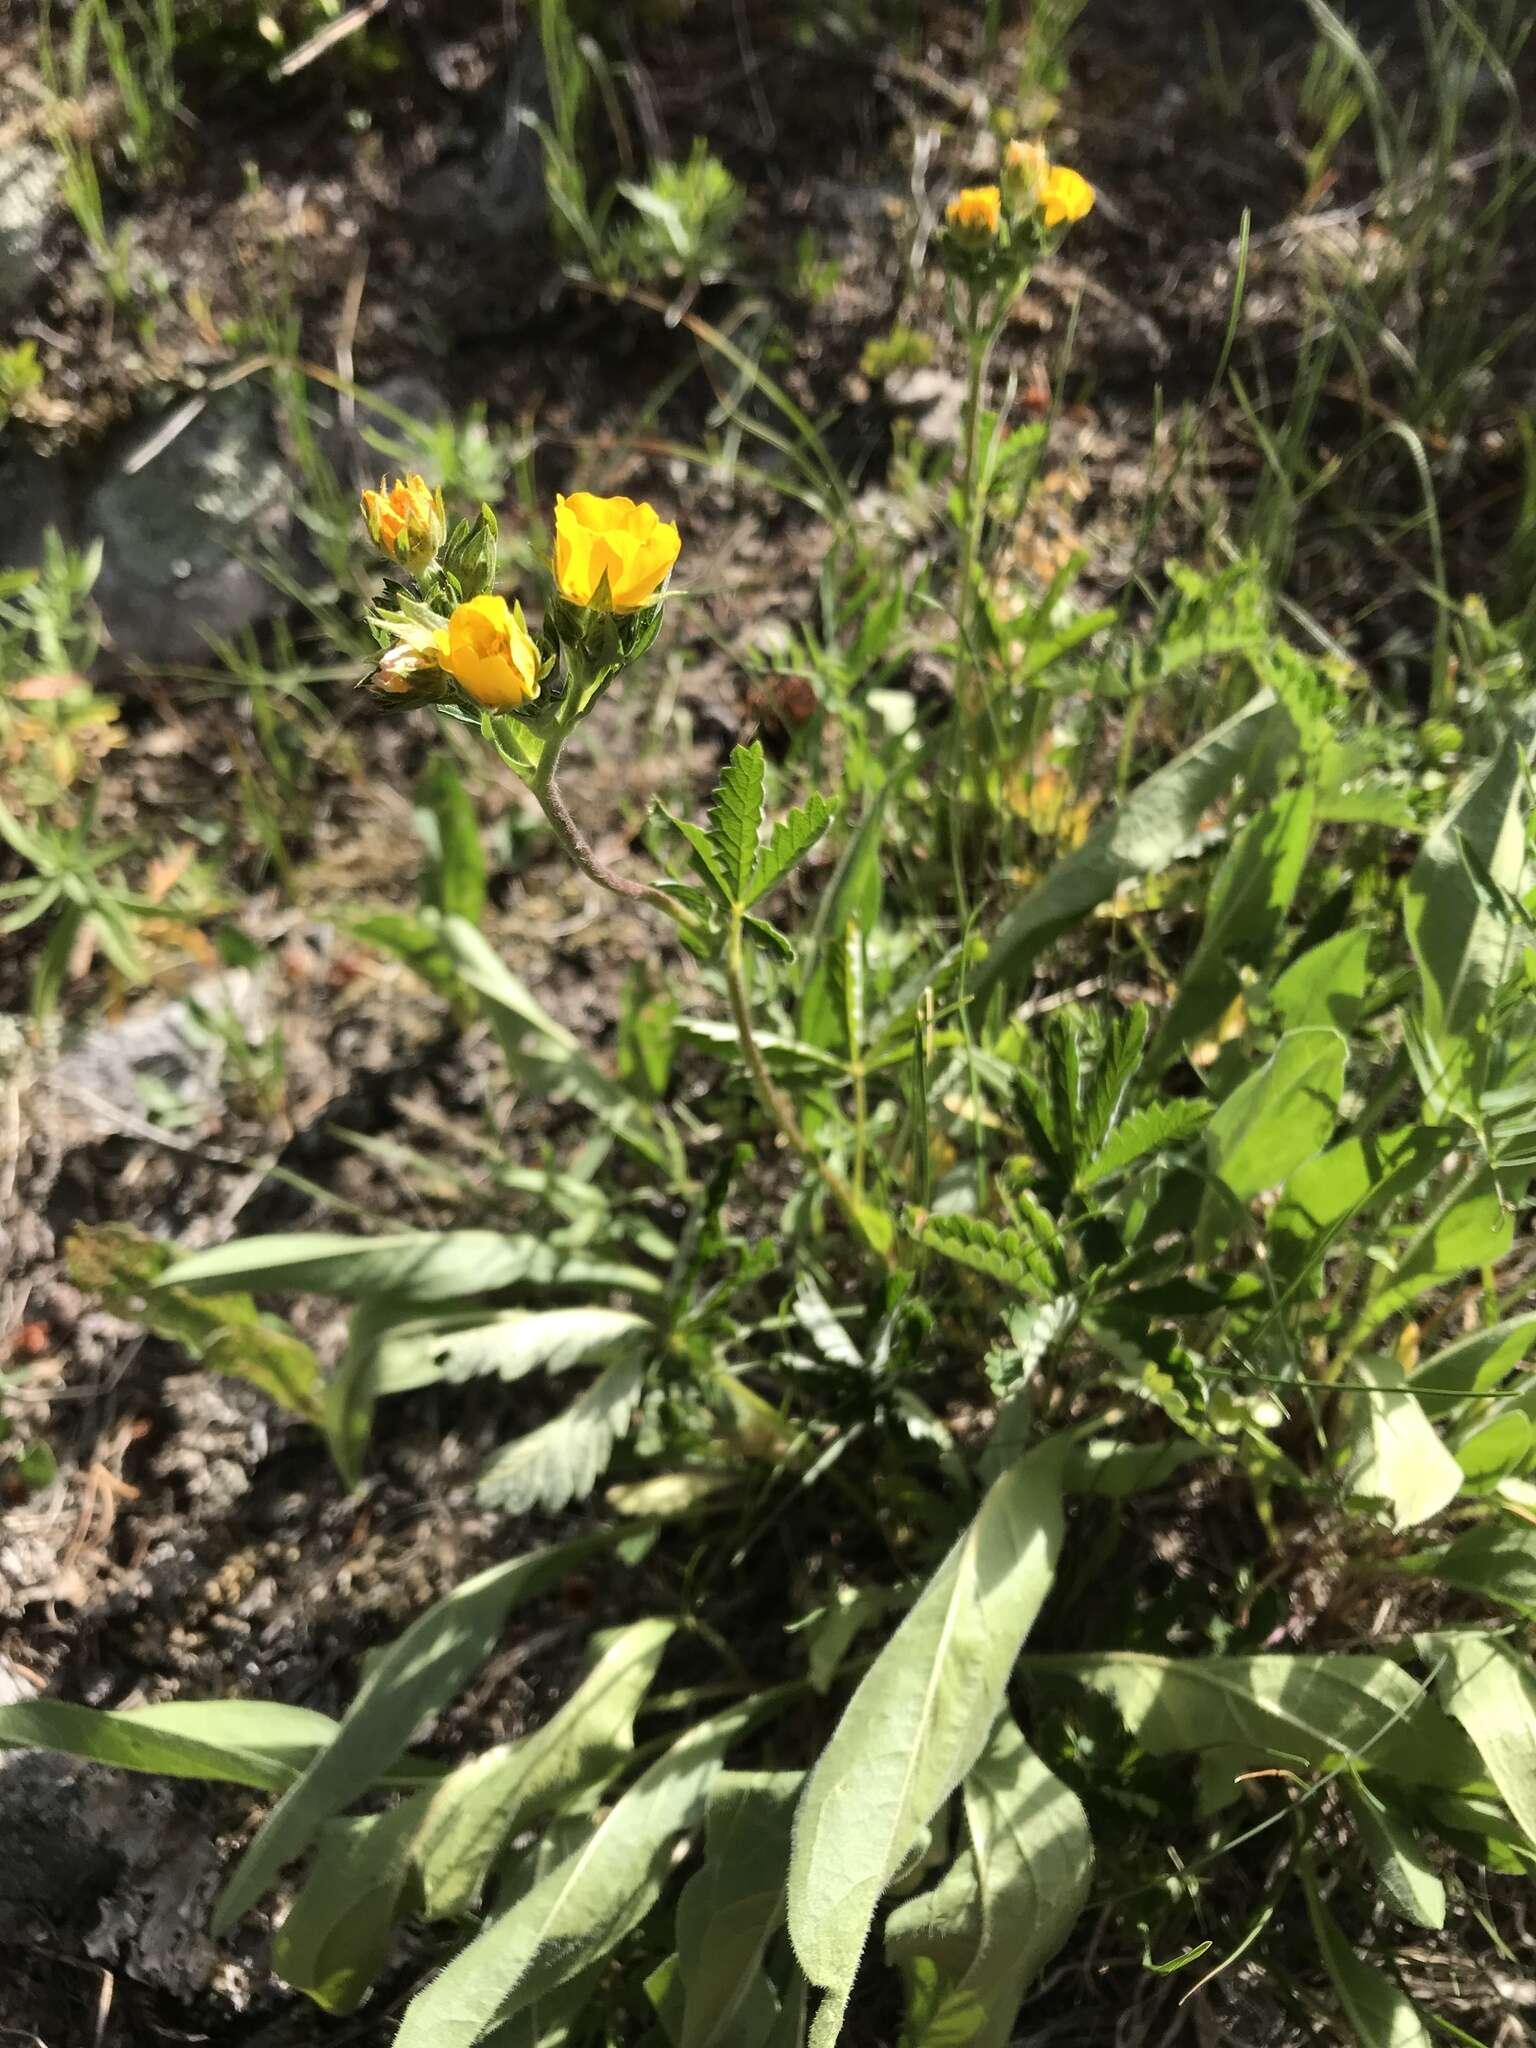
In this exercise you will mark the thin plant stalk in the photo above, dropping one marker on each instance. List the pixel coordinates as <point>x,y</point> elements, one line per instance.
<point>770,1094</point>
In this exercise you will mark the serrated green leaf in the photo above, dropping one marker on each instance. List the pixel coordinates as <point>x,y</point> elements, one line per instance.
<point>769,937</point>
<point>1001,1254</point>
<point>1152,1128</point>
<point>577,1912</point>
<point>516,1342</point>
<point>563,1460</point>
<point>413,1677</point>
<point>735,820</point>
<point>917,1724</point>
<point>705,859</point>
<point>789,842</point>
<point>1116,1067</point>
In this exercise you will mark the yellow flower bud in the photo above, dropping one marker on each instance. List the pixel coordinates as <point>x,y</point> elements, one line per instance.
<point>629,544</point>
<point>407,675</point>
<point>1068,196</point>
<point>406,521</point>
<point>1026,171</point>
<point>487,649</point>
<point>978,210</point>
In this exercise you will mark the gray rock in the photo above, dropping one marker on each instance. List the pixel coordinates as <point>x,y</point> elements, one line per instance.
<point>29,198</point>
<point>935,397</point>
<point>181,529</point>
<point>104,1083</point>
<point>125,1865</point>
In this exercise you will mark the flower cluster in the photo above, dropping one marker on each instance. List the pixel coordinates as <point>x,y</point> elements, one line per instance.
<point>993,234</point>
<point>453,641</point>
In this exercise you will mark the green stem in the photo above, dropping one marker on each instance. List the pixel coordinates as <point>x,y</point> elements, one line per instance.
<point>770,1094</point>
<point>860,1125</point>
<point>979,347</point>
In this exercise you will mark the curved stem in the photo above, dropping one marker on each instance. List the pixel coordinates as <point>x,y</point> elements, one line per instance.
<point>772,1096</point>
<point>576,844</point>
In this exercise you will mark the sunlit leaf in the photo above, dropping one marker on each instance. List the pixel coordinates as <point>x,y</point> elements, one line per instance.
<point>415,1675</point>
<point>1150,831</point>
<point>917,1724</point>
<point>563,1460</point>
<point>586,1904</point>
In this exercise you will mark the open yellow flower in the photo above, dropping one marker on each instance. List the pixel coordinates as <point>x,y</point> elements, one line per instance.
<point>630,544</point>
<point>978,210</point>
<point>1068,196</point>
<point>487,649</point>
<point>406,520</point>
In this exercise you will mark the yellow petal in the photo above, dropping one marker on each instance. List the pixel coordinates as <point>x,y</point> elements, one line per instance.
<point>1068,196</point>
<point>628,542</point>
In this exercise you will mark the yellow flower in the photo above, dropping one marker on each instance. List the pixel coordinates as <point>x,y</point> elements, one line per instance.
<point>978,210</point>
<point>630,544</point>
<point>406,520</point>
<point>1026,172</point>
<point>1067,196</point>
<point>490,654</point>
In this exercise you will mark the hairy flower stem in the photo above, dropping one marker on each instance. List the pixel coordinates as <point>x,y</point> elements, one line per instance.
<point>971,511</point>
<point>780,1109</point>
<point>772,1096</point>
<point>579,848</point>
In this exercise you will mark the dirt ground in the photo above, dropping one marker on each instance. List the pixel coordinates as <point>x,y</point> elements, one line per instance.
<point>195,1543</point>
